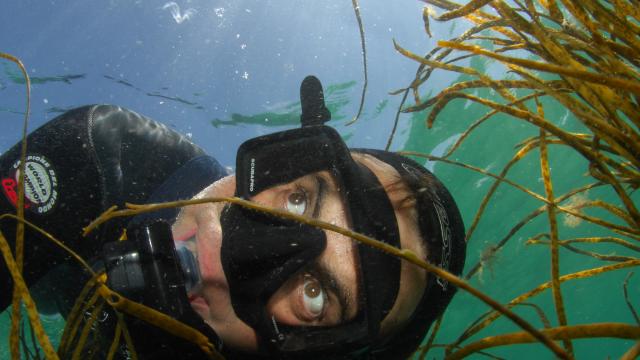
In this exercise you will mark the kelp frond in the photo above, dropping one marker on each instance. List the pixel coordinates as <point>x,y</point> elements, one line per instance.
<point>582,55</point>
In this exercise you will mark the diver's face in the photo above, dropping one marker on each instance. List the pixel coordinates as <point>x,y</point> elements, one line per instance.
<point>323,293</point>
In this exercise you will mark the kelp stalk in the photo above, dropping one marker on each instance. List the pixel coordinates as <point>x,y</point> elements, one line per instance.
<point>581,55</point>
<point>615,330</point>
<point>553,224</point>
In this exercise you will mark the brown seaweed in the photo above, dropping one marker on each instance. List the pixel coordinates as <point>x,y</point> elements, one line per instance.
<point>584,55</point>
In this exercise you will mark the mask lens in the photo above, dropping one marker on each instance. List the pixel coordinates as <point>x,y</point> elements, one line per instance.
<point>312,195</point>
<point>292,273</point>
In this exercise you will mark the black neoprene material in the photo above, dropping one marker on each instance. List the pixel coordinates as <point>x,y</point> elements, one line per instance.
<point>441,226</point>
<point>260,252</point>
<point>90,157</point>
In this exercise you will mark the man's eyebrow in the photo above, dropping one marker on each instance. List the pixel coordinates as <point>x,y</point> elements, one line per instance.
<point>322,185</point>
<point>338,287</point>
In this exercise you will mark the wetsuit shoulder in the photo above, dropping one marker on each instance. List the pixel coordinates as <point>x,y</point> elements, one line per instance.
<point>78,165</point>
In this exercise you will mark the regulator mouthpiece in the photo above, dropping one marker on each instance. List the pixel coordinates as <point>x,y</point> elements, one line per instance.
<point>188,264</point>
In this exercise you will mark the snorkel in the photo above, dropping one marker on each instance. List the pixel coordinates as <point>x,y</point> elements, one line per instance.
<point>148,268</point>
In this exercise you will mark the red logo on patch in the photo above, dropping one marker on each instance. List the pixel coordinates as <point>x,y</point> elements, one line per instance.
<point>9,186</point>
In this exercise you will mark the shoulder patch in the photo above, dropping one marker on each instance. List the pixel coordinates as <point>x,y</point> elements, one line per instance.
<point>41,184</point>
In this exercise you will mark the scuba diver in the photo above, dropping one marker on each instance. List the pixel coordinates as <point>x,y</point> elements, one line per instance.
<point>257,285</point>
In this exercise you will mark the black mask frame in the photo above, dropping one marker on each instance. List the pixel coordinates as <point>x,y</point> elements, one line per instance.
<point>282,157</point>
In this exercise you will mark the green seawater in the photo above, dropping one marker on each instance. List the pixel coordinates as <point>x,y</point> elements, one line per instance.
<point>288,114</point>
<point>518,268</point>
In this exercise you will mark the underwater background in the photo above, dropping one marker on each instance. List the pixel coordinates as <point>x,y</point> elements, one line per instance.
<point>226,71</point>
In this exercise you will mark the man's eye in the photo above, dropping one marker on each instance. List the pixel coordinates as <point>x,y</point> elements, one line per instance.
<point>297,202</point>
<point>313,296</point>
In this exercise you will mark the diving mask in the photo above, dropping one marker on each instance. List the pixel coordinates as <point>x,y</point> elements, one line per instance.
<point>260,252</point>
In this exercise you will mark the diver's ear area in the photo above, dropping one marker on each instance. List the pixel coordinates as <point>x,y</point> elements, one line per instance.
<point>440,224</point>
<point>259,253</point>
<point>314,111</point>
